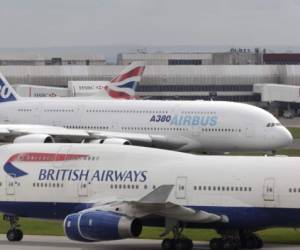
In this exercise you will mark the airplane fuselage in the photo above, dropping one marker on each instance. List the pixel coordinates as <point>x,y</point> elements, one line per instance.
<point>53,181</point>
<point>207,126</point>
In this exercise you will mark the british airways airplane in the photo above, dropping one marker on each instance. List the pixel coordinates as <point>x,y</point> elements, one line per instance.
<point>199,126</point>
<point>109,192</point>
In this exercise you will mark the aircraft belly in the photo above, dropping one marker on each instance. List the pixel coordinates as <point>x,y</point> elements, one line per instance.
<point>247,217</point>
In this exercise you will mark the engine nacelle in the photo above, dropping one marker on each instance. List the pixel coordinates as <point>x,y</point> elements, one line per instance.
<point>34,138</point>
<point>100,225</point>
<point>117,141</point>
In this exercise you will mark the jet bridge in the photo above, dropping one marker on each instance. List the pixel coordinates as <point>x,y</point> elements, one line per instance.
<point>277,92</point>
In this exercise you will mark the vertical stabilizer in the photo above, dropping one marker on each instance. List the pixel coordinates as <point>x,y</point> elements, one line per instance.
<point>124,85</point>
<point>7,93</point>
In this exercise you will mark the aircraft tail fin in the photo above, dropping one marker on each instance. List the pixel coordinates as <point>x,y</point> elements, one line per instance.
<point>124,85</point>
<point>7,93</point>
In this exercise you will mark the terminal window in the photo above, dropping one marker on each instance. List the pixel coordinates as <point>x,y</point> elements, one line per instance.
<point>184,62</point>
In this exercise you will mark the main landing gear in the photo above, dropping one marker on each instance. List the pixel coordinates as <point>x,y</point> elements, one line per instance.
<point>13,234</point>
<point>178,242</point>
<point>240,240</point>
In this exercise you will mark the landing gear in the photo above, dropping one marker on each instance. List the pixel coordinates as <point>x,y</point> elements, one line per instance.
<point>13,234</point>
<point>236,241</point>
<point>178,242</point>
<point>224,244</point>
<point>251,241</point>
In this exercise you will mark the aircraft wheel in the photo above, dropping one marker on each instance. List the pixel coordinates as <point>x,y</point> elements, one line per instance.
<point>259,243</point>
<point>19,235</point>
<point>183,244</point>
<point>168,244</point>
<point>14,235</point>
<point>216,244</point>
<point>231,244</point>
<point>251,242</point>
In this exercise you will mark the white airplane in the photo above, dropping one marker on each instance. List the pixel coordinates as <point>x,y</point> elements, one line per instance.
<point>203,126</point>
<point>108,192</point>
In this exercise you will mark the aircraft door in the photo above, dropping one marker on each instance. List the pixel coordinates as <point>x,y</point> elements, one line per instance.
<point>82,189</point>
<point>115,126</point>
<point>37,113</point>
<point>10,185</point>
<point>249,130</point>
<point>181,185</point>
<point>269,192</point>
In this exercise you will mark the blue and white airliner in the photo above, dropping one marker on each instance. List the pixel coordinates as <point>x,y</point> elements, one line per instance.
<point>109,192</point>
<point>191,126</point>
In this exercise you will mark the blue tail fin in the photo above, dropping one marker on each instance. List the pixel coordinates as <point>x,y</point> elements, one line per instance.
<point>7,93</point>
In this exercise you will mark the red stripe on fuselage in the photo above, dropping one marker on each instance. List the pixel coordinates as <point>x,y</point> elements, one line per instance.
<point>44,157</point>
<point>134,72</point>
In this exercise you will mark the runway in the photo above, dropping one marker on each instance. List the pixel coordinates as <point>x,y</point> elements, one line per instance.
<point>55,242</point>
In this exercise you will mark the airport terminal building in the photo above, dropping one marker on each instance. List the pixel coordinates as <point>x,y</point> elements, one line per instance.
<point>179,76</point>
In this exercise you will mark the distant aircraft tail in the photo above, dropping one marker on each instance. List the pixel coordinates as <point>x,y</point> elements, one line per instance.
<point>7,93</point>
<point>124,85</point>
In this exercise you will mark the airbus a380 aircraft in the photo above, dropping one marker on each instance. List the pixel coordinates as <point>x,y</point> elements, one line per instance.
<point>179,125</point>
<point>108,192</point>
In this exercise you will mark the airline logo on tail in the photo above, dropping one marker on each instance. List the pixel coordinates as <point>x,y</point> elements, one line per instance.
<point>124,85</point>
<point>13,171</point>
<point>7,93</point>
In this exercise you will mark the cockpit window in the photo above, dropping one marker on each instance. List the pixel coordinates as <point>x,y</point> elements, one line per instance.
<point>273,124</point>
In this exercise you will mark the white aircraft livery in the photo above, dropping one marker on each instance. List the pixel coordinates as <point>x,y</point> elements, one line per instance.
<point>109,192</point>
<point>203,126</point>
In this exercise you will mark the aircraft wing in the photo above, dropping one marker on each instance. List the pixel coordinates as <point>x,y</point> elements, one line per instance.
<point>8,132</point>
<point>147,140</point>
<point>15,130</point>
<point>156,203</point>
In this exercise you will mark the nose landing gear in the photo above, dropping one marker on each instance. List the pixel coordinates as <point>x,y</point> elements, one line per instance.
<point>13,234</point>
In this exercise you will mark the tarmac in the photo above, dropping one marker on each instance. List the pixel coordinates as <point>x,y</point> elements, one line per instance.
<point>33,242</point>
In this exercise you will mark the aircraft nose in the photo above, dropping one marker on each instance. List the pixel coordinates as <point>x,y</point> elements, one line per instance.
<point>286,137</point>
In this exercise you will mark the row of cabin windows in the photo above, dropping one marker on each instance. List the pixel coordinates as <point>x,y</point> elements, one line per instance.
<point>119,111</point>
<point>294,190</point>
<point>221,130</point>
<point>127,128</point>
<point>197,113</point>
<point>154,128</point>
<point>87,127</point>
<point>48,110</point>
<point>223,188</point>
<point>129,186</point>
<point>127,111</point>
<point>24,110</point>
<point>50,185</point>
<point>59,110</point>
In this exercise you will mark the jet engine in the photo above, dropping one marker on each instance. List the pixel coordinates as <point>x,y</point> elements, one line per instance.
<point>118,141</point>
<point>34,138</point>
<point>100,225</point>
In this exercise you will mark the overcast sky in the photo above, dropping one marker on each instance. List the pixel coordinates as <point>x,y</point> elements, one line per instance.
<point>51,23</point>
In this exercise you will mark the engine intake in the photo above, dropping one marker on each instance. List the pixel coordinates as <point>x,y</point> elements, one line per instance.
<point>117,141</point>
<point>100,225</point>
<point>34,138</point>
